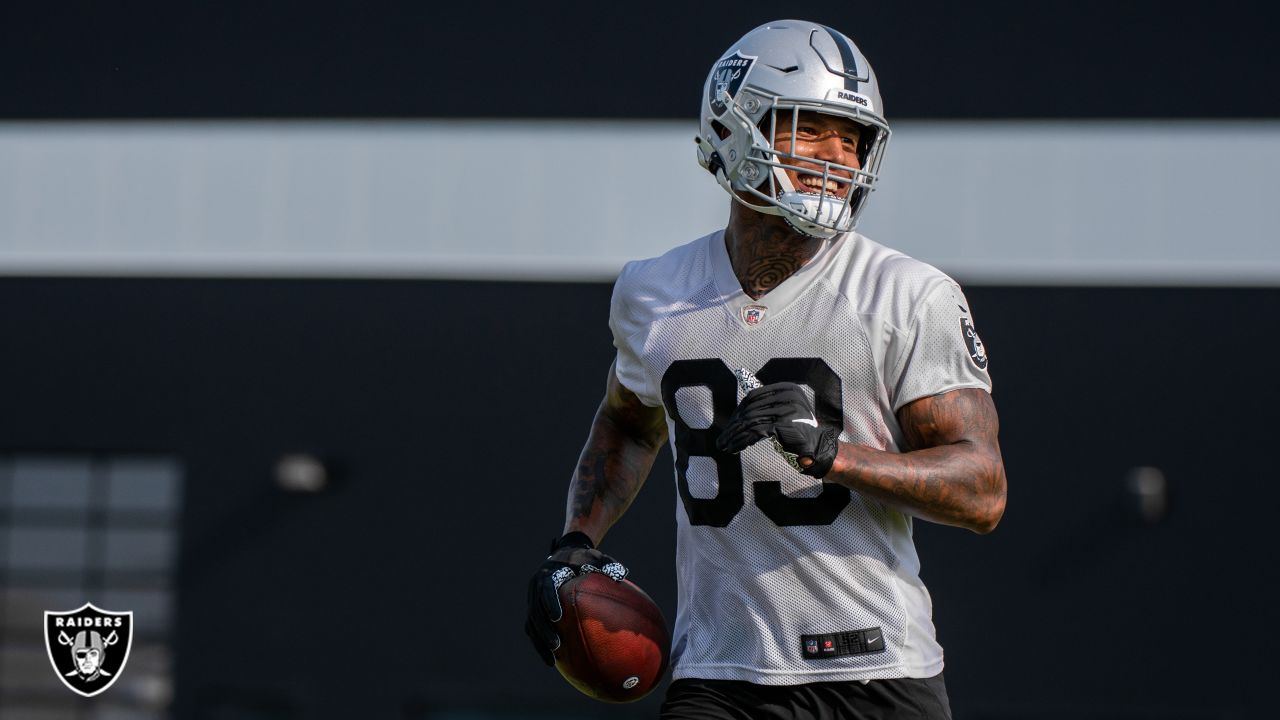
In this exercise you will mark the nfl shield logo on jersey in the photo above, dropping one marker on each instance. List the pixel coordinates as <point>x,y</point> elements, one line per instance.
<point>753,314</point>
<point>88,647</point>
<point>726,79</point>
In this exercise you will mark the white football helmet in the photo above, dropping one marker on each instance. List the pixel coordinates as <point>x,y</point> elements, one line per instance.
<point>768,77</point>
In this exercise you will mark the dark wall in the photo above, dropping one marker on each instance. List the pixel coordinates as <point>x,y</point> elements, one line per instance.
<point>935,58</point>
<point>453,413</point>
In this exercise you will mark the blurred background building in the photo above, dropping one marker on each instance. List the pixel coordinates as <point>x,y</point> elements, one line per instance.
<point>303,321</point>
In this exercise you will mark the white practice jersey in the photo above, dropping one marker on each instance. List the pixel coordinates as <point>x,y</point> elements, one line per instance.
<point>785,579</point>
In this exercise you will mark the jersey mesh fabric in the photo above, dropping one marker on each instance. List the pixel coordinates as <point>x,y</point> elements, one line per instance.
<point>929,362</point>
<point>749,590</point>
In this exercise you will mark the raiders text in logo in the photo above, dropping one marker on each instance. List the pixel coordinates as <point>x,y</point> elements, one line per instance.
<point>852,97</point>
<point>88,647</point>
<point>726,78</point>
<point>977,351</point>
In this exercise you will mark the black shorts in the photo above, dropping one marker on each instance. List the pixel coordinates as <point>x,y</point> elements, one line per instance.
<point>896,699</point>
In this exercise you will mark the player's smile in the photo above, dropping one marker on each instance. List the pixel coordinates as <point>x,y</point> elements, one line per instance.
<point>814,185</point>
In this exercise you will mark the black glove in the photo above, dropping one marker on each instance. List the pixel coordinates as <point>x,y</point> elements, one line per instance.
<point>783,411</point>
<point>571,555</point>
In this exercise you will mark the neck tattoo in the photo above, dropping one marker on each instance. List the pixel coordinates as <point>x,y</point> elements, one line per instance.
<point>764,254</point>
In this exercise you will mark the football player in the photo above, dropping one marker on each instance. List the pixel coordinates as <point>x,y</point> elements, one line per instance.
<point>857,365</point>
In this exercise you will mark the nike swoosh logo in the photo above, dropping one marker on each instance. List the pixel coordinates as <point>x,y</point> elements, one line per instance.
<point>872,640</point>
<point>807,421</point>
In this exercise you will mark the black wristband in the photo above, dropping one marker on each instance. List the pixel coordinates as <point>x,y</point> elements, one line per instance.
<point>573,539</point>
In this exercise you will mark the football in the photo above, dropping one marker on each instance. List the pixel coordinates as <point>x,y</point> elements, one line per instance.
<point>614,641</point>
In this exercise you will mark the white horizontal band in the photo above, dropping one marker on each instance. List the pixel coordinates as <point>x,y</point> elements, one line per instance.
<point>1182,203</point>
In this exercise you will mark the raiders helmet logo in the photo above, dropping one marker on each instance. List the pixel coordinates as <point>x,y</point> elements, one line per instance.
<point>88,647</point>
<point>726,79</point>
<point>977,351</point>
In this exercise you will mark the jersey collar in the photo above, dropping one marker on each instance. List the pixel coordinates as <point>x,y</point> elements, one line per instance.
<point>778,299</point>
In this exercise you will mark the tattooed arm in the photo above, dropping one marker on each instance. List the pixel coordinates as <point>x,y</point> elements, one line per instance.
<point>953,473</point>
<point>625,438</point>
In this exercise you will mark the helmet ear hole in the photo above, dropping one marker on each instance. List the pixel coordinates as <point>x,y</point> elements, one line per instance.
<point>721,131</point>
